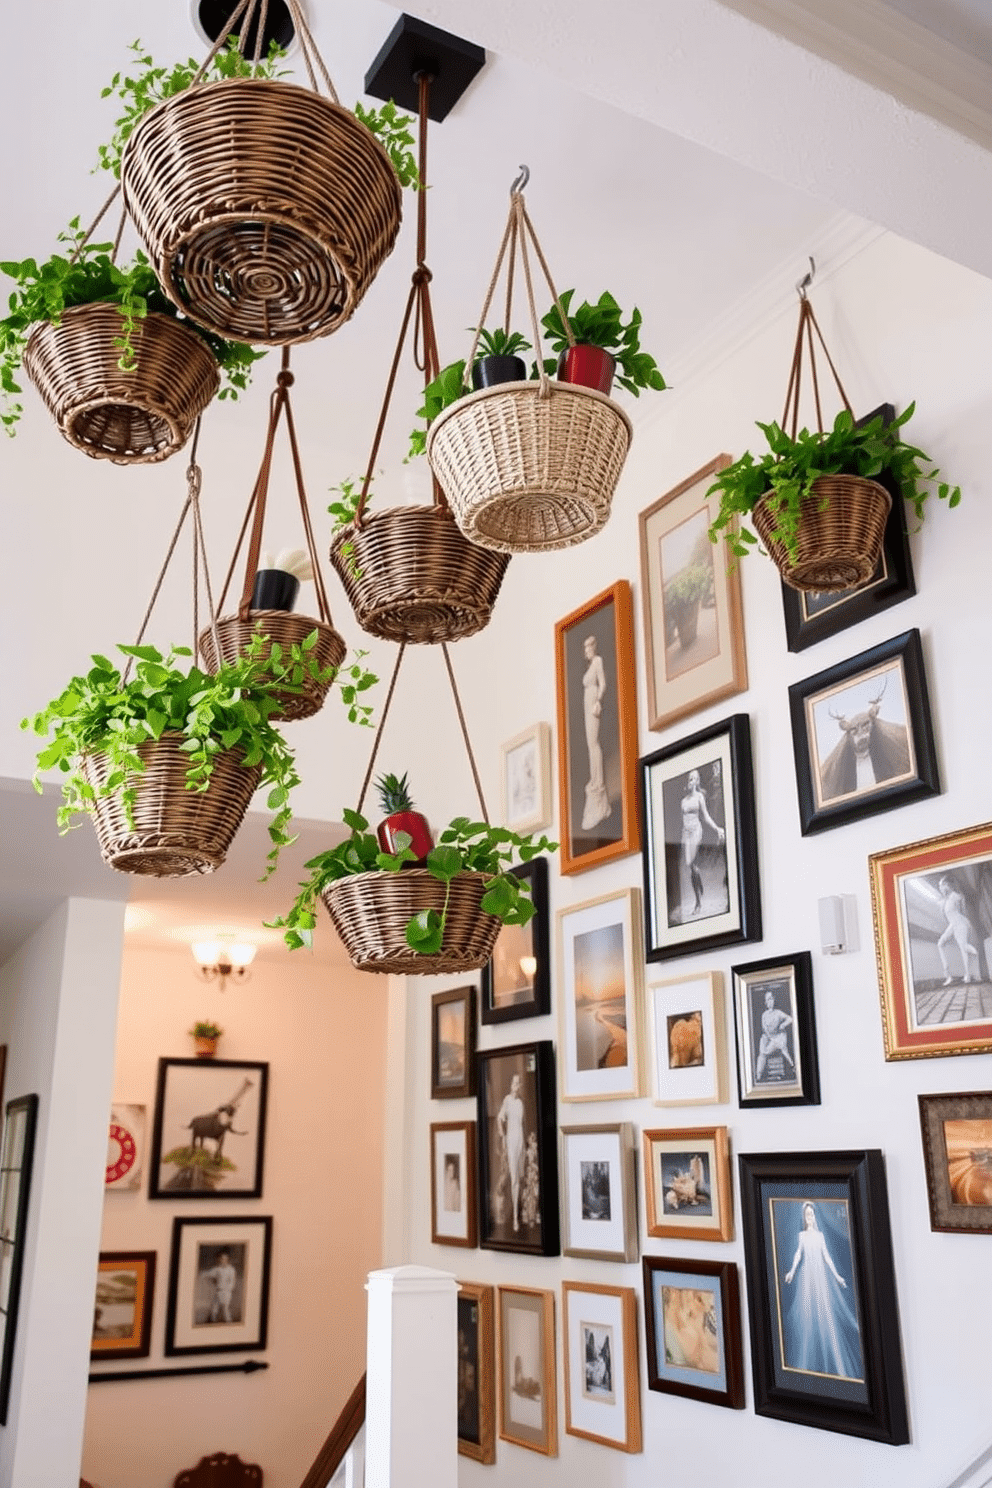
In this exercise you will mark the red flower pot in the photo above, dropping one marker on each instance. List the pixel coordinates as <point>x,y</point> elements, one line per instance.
<point>416,828</point>
<point>587,366</point>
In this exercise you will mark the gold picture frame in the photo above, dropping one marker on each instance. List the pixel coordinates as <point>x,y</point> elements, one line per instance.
<point>687,1183</point>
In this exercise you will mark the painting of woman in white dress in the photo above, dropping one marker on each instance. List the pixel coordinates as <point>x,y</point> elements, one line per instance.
<point>818,1308</point>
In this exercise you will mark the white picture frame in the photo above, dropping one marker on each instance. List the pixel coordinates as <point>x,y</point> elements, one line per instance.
<point>688,1063</point>
<point>525,779</point>
<point>599,1190</point>
<point>600,970</point>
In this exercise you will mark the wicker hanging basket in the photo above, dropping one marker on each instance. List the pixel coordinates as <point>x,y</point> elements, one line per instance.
<point>134,417</point>
<point>372,910</point>
<point>286,628</point>
<point>840,536</point>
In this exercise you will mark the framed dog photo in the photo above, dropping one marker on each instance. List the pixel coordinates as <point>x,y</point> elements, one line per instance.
<point>602,1383</point>
<point>957,1153</point>
<point>218,1285</point>
<point>600,996</point>
<point>453,1044</point>
<point>516,981</point>
<point>775,1031</point>
<point>528,1387</point>
<point>518,1149</point>
<point>688,1040</point>
<point>476,1373</point>
<point>600,1191</point>
<point>453,1195</point>
<point>692,1321</point>
<point>525,780</point>
<point>122,1313</point>
<point>208,1141</point>
<point>687,1183</point>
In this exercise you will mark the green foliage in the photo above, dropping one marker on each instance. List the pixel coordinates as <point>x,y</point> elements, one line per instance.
<point>394,793</point>
<point>502,343</point>
<point>345,510</point>
<point>602,325</point>
<point>206,1030</point>
<point>448,386</point>
<point>199,1157</point>
<point>391,129</point>
<point>787,470</point>
<point>691,584</point>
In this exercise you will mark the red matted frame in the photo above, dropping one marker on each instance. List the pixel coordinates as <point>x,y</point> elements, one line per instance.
<point>930,902</point>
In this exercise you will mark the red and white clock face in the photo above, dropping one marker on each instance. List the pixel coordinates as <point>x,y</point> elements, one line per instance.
<point>122,1152</point>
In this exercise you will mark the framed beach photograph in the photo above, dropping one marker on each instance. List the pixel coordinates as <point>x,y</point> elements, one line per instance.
<point>518,1149</point>
<point>821,1292</point>
<point>528,1386</point>
<point>957,1154</point>
<point>932,908</point>
<point>693,622</point>
<point>692,1325</point>
<point>599,1188</point>
<point>775,1032</point>
<point>453,1193</point>
<point>516,982</point>
<point>687,1183</point>
<point>476,1373</point>
<point>862,736</point>
<point>126,1148</point>
<point>599,999</point>
<point>525,780</point>
<point>453,1044</point>
<point>16,1164</point>
<point>208,1141</point>
<point>597,731</point>
<point>602,1382</point>
<point>122,1313</point>
<point>688,1040</point>
<point>700,842</point>
<point>218,1285</point>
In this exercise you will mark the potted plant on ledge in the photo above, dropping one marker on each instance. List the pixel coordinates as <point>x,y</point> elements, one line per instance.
<point>205,1035</point>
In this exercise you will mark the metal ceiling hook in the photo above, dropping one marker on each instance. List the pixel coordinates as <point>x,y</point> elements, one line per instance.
<point>521,181</point>
<point>807,279</point>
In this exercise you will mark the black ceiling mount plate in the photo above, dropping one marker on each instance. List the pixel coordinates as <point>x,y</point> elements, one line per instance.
<point>412,47</point>
<point>213,16</point>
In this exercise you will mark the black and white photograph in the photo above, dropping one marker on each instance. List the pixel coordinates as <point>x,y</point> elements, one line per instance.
<point>528,1414</point>
<point>775,1028</point>
<point>597,1353</point>
<point>697,886</point>
<point>518,1165</point>
<point>599,1191</point>
<point>209,1135</point>
<point>602,1385</point>
<point>453,1196</point>
<point>218,1285</point>
<point>594,1178</point>
<point>526,780</point>
<point>516,981</point>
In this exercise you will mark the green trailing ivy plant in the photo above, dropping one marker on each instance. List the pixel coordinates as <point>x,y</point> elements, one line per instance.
<point>446,388</point>
<point>601,324</point>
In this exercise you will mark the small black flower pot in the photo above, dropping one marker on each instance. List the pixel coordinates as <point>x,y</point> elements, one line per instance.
<point>274,590</point>
<point>489,371</point>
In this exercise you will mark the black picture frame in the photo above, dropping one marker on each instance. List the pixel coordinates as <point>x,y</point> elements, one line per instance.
<point>810,618</point>
<point>710,851</point>
<point>200,1089</point>
<point>453,1043</point>
<point>776,1059</point>
<point>692,1374</point>
<point>198,1242</point>
<point>899,748</point>
<point>501,1000</point>
<point>850,1378</point>
<point>16,1165</point>
<point>535,1148</point>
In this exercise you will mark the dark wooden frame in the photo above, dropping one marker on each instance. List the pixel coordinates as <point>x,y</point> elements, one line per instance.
<point>536,874</point>
<point>546,1131</point>
<point>946,1213</point>
<point>725,1272</point>
<point>29,1105</point>
<point>470,1198</point>
<point>155,1191</point>
<point>185,1222</point>
<point>456,1089</point>
<point>907,650</point>
<point>797,968</point>
<point>112,1348</point>
<point>875,1407</point>
<point>482,1297</point>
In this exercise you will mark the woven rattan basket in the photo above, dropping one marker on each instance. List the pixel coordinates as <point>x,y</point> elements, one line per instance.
<point>412,576</point>
<point>527,470</point>
<point>840,534</point>
<point>372,910</point>
<point>266,209</point>
<point>130,417</point>
<point>287,629</point>
<point>174,831</point>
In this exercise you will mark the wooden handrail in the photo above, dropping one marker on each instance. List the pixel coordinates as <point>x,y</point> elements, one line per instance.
<point>342,1434</point>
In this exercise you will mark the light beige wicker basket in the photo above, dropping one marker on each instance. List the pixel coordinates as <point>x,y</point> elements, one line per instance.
<point>287,629</point>
<point>131,417</point>
<point>528,467</point>
<point>266,209</point>
<point>371,912</point>
<point>840,535</point>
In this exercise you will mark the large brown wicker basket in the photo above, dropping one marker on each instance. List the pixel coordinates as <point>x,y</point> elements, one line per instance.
<point>840,534</point>
<point>528,467</point>
<point>129,417</point>
<point>175,831</point>
<point>371,912</point>
<point>287,629</point>
<point>266,209</point>
<point>411,575</point>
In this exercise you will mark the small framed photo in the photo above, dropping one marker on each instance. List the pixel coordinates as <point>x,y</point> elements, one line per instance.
<point>687,1183</point>
<point>692,1321</point>
<point>516,982</point>
<point>693,623</point>
<point>701,848</point>
<point>126,1148</point>
<point>453,1043</point>
<point>518,1149</point>
<point>600,975</point>
<point>453,1196</point>
<point>602,1383</point>
<point>821,1292</point>
<point>122,1314</point>
<point>476,1373</point>
<point>957,1153</point>
<point>688,1040</point>
<point>597,731</point>
<point>526,780</point>
<point>218,1285</point>
<point>862,736</point>
<point>932,907</point>
<point>208,1141</point>
<point>600,1191</point>
<point>528,1387</point>
<point>15,1191</point>
<point>775,1031</point>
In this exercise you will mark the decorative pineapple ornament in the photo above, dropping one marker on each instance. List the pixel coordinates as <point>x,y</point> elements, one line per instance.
<point>394,797</point>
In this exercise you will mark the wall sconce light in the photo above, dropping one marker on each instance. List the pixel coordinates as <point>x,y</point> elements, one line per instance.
<point>222,960</point>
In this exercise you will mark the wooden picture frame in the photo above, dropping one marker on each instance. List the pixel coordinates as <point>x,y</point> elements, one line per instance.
<point>454,1201</point>
<point>775,1032</point>
<point>957,1156</point>
<point>687,1183</point>
<point>600,981</point>
<point>691,597</point>
<point>700,842</point>
<point>125,1296</point>
<point>692,1325</point>
<point>847,1376</point>
<point>688,1040</point>
<point>528,1387</point>
<point>597,755</point>
<point>218,1306</point>
<point>518,1149</point>
<point>525,780</point>
<point>16,1165</point>
<point>933,929</point>
<point>208,1140</point>
<point>599,1187</point>
<point>476,1373</point>
<point>453,1032</point>
<point>516,981</point>
<point>883,730</point>
<point>602,1380</point>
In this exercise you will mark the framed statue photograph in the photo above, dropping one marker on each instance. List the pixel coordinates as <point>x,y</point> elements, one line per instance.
<point>516,982</point>
<point>528,1385</point>
<point>453,1195</point>
<point>453,1043</point>
<point>122,1313</point>
<point>16,1164</point>
<point>518,1149</point>
<point>687,1183</point>
<point>599,1187</point>
<point>957,1155</point>
<point>599,997</point>
<point>208,1141</point>
<point>775,1031</point>
<point>692,1323</point>
<point>218,1285</point>
<point>688,1040</point>
<point>602,1382</point>
<point>525,780</point>
<point>597,731</point>
<point>476,1372</point>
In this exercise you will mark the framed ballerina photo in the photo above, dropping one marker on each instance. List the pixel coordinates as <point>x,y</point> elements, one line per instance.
<point>775,1030</point>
